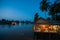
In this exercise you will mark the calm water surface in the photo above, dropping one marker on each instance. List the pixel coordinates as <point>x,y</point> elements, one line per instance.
<point>16,32</point>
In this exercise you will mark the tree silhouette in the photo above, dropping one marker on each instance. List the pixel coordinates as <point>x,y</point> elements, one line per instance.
<point>44,6</point>
<point>55,10</point>
<point>52,9</point>
<point>36,17</point>
<point>3,20</point>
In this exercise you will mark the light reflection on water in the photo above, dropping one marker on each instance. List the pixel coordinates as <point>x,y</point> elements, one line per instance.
<point>16,31</point>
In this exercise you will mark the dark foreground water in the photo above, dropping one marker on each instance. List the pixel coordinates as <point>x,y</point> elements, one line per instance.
<point>16,32</point>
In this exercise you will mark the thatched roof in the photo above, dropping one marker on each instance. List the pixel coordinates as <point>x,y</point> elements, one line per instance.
<point>44,21</point>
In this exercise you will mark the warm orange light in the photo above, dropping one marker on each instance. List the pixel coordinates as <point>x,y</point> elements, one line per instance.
<point>13,23</point>
<point>46,28</point>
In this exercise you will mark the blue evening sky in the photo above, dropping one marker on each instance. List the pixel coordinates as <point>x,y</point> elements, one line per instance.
<point>20,9</point>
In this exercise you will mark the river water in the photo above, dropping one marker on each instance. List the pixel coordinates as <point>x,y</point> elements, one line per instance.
<point>20,32</point>
<point>16,32</point>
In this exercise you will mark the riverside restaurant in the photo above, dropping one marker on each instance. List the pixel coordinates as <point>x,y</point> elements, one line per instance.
<point>47,26</point>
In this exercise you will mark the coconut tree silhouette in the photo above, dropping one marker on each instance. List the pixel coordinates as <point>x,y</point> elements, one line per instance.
<point>55,9</point>
<point>44,6</point>
<point>52,9</point>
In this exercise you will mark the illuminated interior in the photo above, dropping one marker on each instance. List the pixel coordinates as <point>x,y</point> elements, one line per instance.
<point>46,28</point>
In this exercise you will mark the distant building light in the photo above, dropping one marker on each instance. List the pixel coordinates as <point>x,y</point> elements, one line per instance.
<point>14,23</point>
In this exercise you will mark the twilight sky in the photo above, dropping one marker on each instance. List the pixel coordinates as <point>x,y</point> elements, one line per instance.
<point>20,9</point>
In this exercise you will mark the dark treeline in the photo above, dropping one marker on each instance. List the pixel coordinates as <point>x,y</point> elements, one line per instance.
<point>4,21</point>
